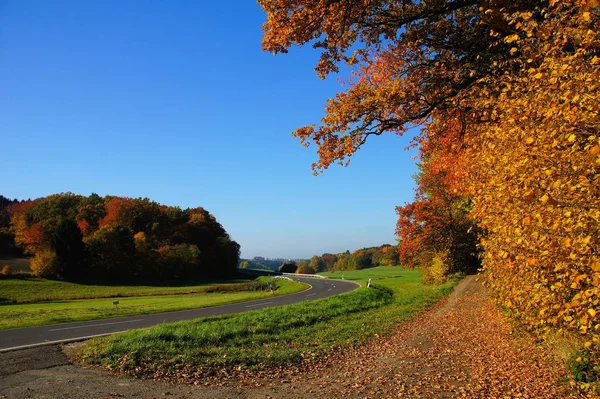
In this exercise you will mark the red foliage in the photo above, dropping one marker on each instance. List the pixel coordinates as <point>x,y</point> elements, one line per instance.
<point>34,238</point>
<point>84,226</point>
<point>114,211</point>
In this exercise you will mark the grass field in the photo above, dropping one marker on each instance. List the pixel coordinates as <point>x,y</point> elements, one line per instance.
<point>270,337</point>
<point>37,290</point>
<point>149,300</point>
<point>375,273</point>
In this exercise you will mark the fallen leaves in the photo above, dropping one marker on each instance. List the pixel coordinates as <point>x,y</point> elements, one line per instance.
<point>462,347</point>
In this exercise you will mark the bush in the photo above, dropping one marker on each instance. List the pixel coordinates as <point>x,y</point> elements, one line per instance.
<point>288,267</point>
<point>46,264</point>
<point>305,269</point>
<point>7,270</point>
<point>436,272</point>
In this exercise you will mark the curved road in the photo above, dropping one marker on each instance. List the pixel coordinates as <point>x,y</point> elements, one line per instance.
<point>20,338</point>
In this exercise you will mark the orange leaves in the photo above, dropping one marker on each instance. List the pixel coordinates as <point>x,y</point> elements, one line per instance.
<point>511,128</point>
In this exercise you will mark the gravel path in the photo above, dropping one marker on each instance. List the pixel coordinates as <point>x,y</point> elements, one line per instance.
<point>462,347</point>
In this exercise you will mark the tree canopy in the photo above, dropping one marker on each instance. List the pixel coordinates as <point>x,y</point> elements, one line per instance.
<point>120,239</point>
<point>506,93</point>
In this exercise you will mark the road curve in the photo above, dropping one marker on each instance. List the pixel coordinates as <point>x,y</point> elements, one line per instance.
<point>20,338</point>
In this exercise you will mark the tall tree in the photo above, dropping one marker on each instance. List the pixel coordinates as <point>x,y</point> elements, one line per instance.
<point>514,85</point>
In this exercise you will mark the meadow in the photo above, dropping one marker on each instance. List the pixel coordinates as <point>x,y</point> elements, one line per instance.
<point>271,337</point>
<point>37,302</point>
<point>32,290</point>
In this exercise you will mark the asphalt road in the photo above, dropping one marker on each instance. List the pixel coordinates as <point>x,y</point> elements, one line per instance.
<point>20,338</point>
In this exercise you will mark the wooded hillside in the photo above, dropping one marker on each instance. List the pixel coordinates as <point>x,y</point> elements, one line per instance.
<point>118,239</point>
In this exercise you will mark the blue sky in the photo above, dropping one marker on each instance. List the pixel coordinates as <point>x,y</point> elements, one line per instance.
<point>175,101</point>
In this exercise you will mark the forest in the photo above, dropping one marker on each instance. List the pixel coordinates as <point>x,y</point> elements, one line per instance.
<point>114,239</point>
<point>384,255</point>
<point>505,94</point>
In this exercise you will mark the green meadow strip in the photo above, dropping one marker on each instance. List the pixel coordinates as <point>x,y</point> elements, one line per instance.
<point>268,337</point>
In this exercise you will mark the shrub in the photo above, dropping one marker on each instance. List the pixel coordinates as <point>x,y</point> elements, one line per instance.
<point>46,264</point>
<point>305,269</point>
<point>436,272</point>
<point>288,267</point>
<point>7,270</point>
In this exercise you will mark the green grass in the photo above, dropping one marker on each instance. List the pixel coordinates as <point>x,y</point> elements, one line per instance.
<point>38,290</point>
<point>51,312</point>
<point>375,273</point>
<point>270,337</point>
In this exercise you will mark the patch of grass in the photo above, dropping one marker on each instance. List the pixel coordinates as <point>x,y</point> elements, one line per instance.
<point>581,368</point>
<point>38,290</point>
<point>269,337</point>
<point>43,313</point>
<point>373,273</point>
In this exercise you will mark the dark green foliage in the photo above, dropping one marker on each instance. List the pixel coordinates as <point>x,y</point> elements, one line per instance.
<point>288,267</point>
<point>7,239</point>
<point>581,368</point>
<point>111,255</point>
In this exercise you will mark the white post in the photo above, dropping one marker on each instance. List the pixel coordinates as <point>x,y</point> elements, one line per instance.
<point>369,284</point>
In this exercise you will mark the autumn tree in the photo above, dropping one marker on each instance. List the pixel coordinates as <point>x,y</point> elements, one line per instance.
<point>435,228</point>
<point>317,263</point>
<point>511,88</point>
<point>111,255</point>
<point>7,238</point>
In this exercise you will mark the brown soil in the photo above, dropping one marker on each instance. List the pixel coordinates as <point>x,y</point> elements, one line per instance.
<point>462,347</point>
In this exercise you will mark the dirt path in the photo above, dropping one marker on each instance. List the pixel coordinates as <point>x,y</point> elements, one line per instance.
<point>462,347</point>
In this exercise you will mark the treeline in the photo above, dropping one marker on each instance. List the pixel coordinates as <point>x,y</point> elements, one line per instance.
<point>258,262</point>
<point>384,255</point>
<point>111,238</point>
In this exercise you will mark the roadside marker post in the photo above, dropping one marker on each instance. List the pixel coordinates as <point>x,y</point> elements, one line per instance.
<point>116,303</point>
<point>369,284</point>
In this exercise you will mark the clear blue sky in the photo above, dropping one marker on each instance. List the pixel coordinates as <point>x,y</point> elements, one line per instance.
<point>175,101</point>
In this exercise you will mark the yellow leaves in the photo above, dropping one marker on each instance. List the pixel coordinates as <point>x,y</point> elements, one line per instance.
<point>591,313</point>
<point>586,16</point>
<point>571,138</point>
<point>511,38</point>
<point>587,345</point>
<point>529,140</point>
<point>513,50</point>
<point>595,60</point>
<point>596,266</point>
